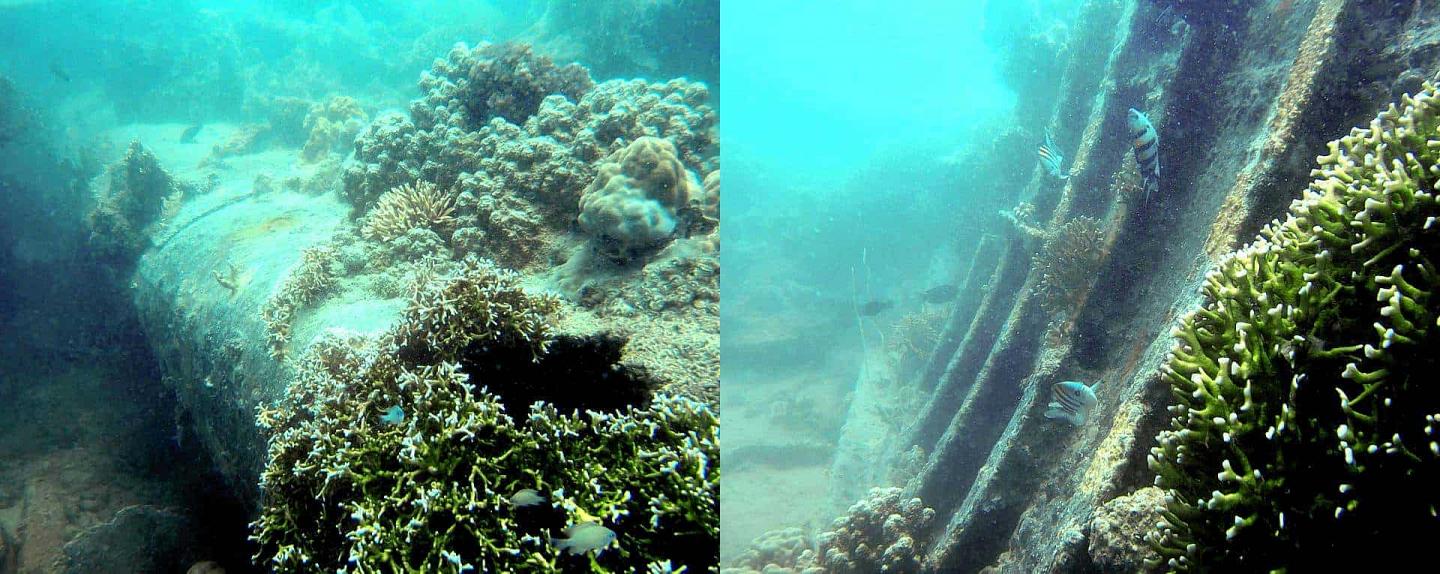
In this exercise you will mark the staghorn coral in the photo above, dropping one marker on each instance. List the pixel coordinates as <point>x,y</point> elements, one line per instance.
<point>347,492</point>
<point>135,203</point>
<point>1067,262</point>
<point>1304,415</point>
<point>629,209</point>
<point>876,535</point>
<point>311,278</point>
<point>407,207</point>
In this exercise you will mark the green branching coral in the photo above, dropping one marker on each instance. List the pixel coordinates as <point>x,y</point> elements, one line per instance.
<point>346,490</point>
<point>1304,428</point>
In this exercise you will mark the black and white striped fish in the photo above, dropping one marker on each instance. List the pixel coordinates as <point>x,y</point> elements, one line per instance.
<point>1147,151</point>
<point>1072,402</point>
<point>1051,159</point>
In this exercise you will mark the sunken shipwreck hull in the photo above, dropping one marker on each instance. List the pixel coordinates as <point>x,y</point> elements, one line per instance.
<point>1244,97</point>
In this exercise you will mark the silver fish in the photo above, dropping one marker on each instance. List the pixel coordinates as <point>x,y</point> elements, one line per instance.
<point>526,497</point>
<point>584,537</point>
<point>1146,143</point>
<point>1051,158</point>
<point>1072,402</point>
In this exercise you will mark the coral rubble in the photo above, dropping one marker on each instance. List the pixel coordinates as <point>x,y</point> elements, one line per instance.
<point>1304,420</point>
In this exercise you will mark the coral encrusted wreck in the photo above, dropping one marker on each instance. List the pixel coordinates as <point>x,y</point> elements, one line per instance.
<point>352,487</point>
<point>1305,425</point>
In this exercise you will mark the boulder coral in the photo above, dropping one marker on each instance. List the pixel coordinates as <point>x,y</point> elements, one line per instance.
<point>346,490</point>
<point>331,126</point>
<point>1303,428</point>
<point>878,534</point>
<point>506,81</point>
<point>631,205</point>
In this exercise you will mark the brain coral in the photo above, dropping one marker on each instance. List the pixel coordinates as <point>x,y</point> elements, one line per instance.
<point>630,207</point>
<point>1305,417</point>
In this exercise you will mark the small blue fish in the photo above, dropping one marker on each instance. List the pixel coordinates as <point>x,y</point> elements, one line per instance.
<point>394,416</point>
<point>1072,402</point>
<point>1051,159</point>
<point>582,538</point>
<point>1147,151</point>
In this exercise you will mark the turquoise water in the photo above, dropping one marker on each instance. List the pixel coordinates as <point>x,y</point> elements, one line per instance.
<point>847,130</point>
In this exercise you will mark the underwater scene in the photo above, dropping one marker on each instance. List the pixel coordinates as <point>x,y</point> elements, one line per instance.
<point>1080,286</point>
<point>434,286</point>
<point>359,286</point>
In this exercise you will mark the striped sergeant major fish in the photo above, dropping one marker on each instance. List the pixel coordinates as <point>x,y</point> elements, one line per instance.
<point>1051,158</point>
<point>1072,402</point>
<point>1147,151</point>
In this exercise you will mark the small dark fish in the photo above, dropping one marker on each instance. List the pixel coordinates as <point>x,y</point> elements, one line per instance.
<point>940,294</point>
<point>188,136</point>
<point>59,71</point>
<point>875,307</point>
